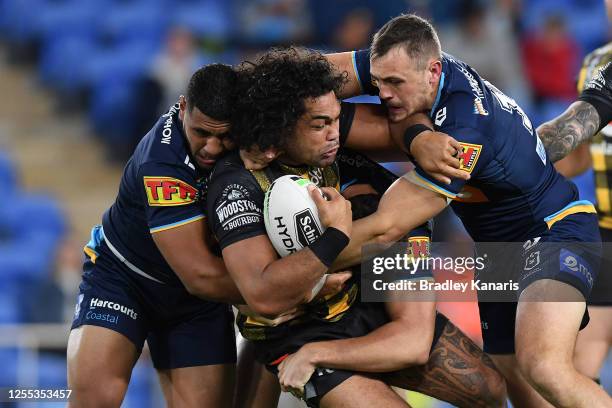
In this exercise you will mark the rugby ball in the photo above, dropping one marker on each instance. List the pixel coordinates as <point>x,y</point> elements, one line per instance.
<point>290,214</point>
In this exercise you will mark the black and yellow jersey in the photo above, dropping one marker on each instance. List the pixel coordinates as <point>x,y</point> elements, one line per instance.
<point>601,145</point>
<point>236,200</point>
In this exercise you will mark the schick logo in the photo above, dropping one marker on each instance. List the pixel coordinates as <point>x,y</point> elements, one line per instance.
<point>95,302</point>
<point>307,229</point>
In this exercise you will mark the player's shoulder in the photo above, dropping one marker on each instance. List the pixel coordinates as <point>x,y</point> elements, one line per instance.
<point>229,166</point>
<point>599,55</point>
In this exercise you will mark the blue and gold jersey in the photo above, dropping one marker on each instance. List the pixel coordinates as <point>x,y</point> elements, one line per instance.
<point>161,188</point>
<point>514,191</point>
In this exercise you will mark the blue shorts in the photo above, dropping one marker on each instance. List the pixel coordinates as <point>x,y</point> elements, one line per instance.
<point>569,252</point>
<point>181,330</point>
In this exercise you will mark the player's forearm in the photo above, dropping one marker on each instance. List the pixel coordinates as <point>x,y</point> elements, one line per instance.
<point>563,134</point>
<point>288,282</point>
<point>213,282</point>
<point>391,347</point>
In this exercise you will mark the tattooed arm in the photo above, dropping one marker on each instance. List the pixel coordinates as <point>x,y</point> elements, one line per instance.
<point>458,372</point>
<point>576,125</point>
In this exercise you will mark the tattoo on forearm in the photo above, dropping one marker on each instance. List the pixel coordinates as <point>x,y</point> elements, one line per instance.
<point>564,133</point>
<point>457,372</point>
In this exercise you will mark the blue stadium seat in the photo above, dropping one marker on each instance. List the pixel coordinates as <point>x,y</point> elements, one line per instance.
<point>207,18</point>
<point>8,174</point>
<point>68,18</point>
<point>61,62</point>
<point>8,362</point>
<point>122,62</point>
<point>52,370</point>
<point>134,21</point>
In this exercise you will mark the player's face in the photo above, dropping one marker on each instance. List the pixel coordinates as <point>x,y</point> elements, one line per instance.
<point>403,88</point>
<point>208,138</point>
<point>317,136</point>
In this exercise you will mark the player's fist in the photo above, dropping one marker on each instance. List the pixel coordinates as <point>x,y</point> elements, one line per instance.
<point>334,210</point>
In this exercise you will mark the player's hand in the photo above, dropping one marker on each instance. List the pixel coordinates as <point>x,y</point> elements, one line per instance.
<point>295,371</point>
<point>333,284</point>
<point>438,154</point>
<point>334,210</point>
<point>255,159</point>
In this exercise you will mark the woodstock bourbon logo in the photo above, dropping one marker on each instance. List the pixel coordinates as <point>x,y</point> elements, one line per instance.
<point>168,191</point>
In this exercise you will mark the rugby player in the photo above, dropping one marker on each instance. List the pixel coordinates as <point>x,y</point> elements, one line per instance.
<point>150,263</point>
<point>594,342</point>
<point>288,102</point>
<point>514,194</point>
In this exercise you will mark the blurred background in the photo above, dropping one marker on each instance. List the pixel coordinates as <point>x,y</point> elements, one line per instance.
<point>81,81</point>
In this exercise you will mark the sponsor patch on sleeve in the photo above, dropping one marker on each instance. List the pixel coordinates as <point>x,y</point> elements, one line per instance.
<point>469,156</point>
<point>419,247</point>
<point>236,208</point>
<point>169,191</point>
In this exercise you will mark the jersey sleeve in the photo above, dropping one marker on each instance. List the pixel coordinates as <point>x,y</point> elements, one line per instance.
<point>361,66</point>
<point>460,119</point>
<point>235,204</point>
<point>170,196</point>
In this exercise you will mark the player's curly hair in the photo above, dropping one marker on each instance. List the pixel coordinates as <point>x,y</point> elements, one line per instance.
<point>272,91</point>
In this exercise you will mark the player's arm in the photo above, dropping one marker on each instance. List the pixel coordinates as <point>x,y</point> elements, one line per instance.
<point>187,251</point>
<point>382,350</point>
<point>577,125</point>
<point>575,163</point>
<point>403,207</point>
<point>272,285</point>
<point>583,119</point>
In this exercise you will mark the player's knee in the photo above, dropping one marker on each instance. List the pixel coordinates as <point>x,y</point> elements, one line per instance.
<point>93,391</point>
<point>548,376</point>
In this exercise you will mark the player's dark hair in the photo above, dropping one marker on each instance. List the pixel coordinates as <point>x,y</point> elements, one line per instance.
<point>211,90</point>
<point>413,33</point>
<point>272,92</point>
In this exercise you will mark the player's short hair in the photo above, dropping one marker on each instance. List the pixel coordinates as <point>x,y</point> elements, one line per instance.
<point>272,91</point>
<point>413,33</point>
<point>211,90</point>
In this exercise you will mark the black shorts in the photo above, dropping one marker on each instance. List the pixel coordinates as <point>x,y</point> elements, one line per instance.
<point>181,330</point>
<point>601,295</point>
<point>360,320</point>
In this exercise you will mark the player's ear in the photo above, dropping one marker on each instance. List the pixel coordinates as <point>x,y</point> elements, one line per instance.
<point>182,106</point>
<point>435,70</point>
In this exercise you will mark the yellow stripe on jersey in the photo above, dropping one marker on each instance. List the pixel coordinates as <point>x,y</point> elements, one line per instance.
<point>415,178</point>
<point>571,209</point>
<point>177,224</point>
<point>90,253</point>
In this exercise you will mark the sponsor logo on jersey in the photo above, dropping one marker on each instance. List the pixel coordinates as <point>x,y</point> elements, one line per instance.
<point>576,266</point>
<point>307,229</point>
<point>167,129</point>
<point>419,247</point>
<point>469,156</point>
<point>96,303</point>
<point>236,209</point>
<point>168,191</point>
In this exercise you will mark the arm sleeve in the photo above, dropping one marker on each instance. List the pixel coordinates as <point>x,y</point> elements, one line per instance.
<point>361,65</point>
<point>235,204</point>
<point>170,196</point>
